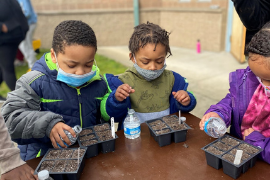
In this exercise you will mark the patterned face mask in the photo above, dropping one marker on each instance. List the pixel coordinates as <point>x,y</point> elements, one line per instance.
<point>149,75</point>
<point>266,88</point>
<point>73,79</point>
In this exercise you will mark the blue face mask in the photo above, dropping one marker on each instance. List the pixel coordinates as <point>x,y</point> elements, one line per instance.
<point>73,79</point>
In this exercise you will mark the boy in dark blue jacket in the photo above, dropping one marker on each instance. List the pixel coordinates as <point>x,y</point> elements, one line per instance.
<point>63,89</point>
<point>147,87</point>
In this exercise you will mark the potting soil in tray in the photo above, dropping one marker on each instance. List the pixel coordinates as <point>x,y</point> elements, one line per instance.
<point>97,138</point>
<point>167,129</point>
<point>221,153</point>
<point>63,163</point>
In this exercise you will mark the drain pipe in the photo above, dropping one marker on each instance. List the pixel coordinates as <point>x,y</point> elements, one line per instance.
<point>136,12</point>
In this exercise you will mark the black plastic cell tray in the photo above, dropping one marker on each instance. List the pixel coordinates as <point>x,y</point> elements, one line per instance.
<point>213,160</point>
<point>64,175</point>
<point>235,170</point>
<point>100,146</point>
<point>167,138</point>
<point>229,168</point>
<point>178,135</point>
<point>161,139</point>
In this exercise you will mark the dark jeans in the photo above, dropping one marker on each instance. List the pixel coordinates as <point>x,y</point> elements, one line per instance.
<point>7,58</point>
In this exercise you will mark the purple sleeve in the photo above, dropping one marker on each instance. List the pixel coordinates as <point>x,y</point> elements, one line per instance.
<point>257,139</point>
<point>223,108</point>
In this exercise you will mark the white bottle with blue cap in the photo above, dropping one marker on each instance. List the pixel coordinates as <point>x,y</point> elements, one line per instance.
<point>132,125</point>
<point>215,127</point>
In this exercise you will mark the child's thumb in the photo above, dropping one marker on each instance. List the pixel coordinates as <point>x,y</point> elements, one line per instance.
<point>173,93</point>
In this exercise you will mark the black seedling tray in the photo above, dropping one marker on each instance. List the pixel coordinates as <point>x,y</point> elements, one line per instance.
<point>229,168</point>
<point>166,138</point>
<point>104,146</point>
<point>178,135</point>
<point>68,161</point>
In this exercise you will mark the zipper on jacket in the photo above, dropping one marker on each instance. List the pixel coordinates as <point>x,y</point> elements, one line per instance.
<point>80,104</point>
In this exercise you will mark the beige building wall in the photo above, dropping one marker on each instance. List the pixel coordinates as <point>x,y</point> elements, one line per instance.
<point>113,21</point>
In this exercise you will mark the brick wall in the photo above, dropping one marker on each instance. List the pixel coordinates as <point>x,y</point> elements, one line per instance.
<point>113,20</point>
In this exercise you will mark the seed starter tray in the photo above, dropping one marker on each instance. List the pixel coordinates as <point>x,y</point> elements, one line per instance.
<point>103,146</point>
<point>173,135</point>
<point>217,160</point>
<point>63,164</point>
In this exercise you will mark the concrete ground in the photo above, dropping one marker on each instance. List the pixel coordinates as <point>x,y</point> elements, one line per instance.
<point>207,73</point>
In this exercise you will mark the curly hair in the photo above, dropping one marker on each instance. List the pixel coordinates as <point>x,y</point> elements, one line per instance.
<point>260,42</point>
<point>73,32</point>
<point>148,33</point>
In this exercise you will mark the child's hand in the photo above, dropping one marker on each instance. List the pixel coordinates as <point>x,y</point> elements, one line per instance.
<point>182,97</point>
<point>57,131</point>
<point>206,117</point>
<point>123,92</point>
<point>248,132</point>
<point>23,172</point>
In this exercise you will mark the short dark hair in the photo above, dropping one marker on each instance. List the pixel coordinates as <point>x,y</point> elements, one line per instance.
<point>149,33</point>
<point>260,42</point>
<point>73,32</point>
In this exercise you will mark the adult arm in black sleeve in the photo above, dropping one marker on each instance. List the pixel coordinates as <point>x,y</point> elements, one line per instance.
<point>253,13</point>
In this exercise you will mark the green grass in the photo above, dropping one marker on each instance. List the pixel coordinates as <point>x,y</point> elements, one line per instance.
<point>105,65</point>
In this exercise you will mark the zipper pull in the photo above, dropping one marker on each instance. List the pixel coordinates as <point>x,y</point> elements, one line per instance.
<point>245,76</point>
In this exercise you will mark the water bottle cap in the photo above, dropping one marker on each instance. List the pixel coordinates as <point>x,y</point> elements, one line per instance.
<point>131,111</point>
<point>183,119</point>
<point>44,174</point>
<point>77,129</point>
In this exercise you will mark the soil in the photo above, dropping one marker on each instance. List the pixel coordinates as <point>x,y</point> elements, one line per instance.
<point>53,154</point>
<point>244,156</point>
<point>75,153</point>
<point>59,166</point>
<point>170,118</point>
<point>247,148</point>
<point>222,146</point>
<point>105,135</point>
<point>154,123</point>
<point>163,131</point>
<point>72,165</point>
<point>230,141</point>
<point>228,157</point>
<point>65,154</point>
<point>84,138</point>
<point>48,165</point>
<point>176,126</point>
<point>159,126</point>
<point>86,131</point>
<point>102,127</point>
<point>88,143</point>
<point>214,150</point>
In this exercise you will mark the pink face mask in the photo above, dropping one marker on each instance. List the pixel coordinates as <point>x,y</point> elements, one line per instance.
<point>266,88</point>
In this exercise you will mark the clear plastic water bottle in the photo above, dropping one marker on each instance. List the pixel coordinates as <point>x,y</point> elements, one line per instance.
<point>215,127</point>
<point>77,129</point>
<point>44,175</point>
<point>132,126</point>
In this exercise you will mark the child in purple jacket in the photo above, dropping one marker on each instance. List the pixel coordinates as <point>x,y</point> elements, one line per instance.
<point>247,107</point>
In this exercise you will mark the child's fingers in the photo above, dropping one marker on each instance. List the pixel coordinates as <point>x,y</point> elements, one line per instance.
<point>58,140</point>
<point>53,142</point>
<point>64,137</point>
<point>69,129</point>
<point>125,87</point>
<point>180,97</point>
<point>186,99</point>
<point>205,117</point>
<point>124,92</point>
